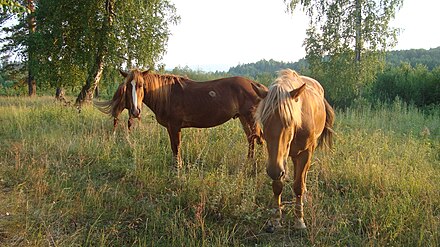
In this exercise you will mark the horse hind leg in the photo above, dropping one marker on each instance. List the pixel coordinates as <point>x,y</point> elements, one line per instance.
<point>251,135</point>
<point>258,134</point>
<point>115,124</point>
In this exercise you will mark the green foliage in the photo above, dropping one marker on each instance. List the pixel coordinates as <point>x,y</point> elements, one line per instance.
<point>266,67</point>
<point>345,43</point>
<point>345,81</point>
<point>65,180</point>
<point>416,85</point>
<point>14,52</point>
<point>198,75</point>
<point>338,24</point>
<point>68,44</point>
<point>265,71</point>
<point>70,33</point>
<point>11,6</point>
<point>430,58</point>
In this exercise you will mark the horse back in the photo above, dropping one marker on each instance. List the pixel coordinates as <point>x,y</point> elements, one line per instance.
<point>210,103</point>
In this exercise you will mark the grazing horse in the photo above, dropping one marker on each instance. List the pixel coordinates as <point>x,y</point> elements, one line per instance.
<point>295,118</point>
<point>179,102</point>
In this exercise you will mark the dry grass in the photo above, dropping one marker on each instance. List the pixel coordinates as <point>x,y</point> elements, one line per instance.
<point>65,180</point>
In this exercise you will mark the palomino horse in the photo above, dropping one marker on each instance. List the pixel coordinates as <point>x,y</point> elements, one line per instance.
<point>179,102</point>
<point>295,118</point>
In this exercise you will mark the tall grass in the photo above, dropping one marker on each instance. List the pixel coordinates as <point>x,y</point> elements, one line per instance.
<point>65,180</point>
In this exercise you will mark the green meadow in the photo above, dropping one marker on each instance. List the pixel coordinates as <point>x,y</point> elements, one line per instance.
<point>66,180</point>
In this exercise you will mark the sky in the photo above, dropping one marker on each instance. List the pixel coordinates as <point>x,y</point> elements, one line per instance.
<point>216,35</point>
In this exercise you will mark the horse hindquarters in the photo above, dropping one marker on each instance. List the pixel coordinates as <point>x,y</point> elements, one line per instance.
<point>326,137</point>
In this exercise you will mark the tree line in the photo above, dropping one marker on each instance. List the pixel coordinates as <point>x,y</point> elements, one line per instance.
<point>411,75</point>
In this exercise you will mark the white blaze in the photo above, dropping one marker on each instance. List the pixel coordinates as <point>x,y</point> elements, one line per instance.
<point>133,91</point>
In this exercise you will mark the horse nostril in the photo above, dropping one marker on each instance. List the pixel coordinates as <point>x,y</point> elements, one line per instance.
<point>281,174</point>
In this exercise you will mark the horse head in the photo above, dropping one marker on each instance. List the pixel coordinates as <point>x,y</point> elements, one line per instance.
<point>134,83</point>
<point>279,114</point>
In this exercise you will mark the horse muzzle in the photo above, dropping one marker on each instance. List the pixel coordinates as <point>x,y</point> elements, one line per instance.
<point>276,173</point>
<point>136,112</point>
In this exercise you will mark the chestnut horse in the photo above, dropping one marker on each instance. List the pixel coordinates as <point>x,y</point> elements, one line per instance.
<point>179,102</point>
<point>295,118</point>
<point>115,106</point>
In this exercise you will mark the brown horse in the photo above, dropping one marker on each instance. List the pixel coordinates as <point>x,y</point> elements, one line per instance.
<point>179,102</point>
<point>295,118</point>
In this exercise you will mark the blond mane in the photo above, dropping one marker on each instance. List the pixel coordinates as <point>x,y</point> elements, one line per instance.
<point>278,99</point>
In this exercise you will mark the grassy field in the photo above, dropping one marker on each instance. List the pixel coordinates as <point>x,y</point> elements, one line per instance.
<point>65,180</point>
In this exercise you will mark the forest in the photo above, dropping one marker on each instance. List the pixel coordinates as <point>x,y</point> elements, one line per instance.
<point>411,75</point>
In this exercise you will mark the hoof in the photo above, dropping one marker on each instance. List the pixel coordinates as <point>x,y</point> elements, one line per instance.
<point>272,226</point>
<point>299,224</point>
<point>270,229</point>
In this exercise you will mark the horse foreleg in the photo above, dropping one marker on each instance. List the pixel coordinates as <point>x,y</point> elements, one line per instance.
<point>302,164</point>
<point>175,138</point>
<point>275,221</point>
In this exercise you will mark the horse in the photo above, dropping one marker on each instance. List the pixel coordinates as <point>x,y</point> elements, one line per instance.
<point>179,102</point>
<point>295,118</point>
<point>115,106</point>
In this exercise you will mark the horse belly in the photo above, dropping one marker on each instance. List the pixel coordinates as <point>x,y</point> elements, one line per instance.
<point>205,121</point>
<point>206,118</point>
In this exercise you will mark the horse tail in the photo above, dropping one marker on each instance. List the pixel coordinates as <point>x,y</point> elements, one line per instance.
<point>326,137</point>
<point>114,106</point>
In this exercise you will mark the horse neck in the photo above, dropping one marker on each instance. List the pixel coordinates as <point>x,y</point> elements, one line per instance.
<point>157,97</point>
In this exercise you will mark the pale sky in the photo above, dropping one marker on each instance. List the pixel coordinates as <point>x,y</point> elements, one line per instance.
<point>216,35</point>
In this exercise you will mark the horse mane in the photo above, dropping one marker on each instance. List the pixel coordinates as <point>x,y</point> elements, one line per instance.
<point>279,100</point>
<point>158,88</point>
<point>114,106</point>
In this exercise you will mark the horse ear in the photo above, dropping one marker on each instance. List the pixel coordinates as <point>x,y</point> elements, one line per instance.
<point>295,93</point>
<point>261,91</point>
<point>123,73</point>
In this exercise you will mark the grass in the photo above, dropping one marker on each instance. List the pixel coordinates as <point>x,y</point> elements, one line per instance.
<point>65,180</point>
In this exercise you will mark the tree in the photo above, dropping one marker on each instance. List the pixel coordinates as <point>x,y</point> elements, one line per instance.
<point>20,39</point>
<point>31,24</point>
<point>348,39</point>
<point>93,38</point>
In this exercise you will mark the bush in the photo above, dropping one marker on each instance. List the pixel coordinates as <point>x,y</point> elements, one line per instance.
<point>416,85</point>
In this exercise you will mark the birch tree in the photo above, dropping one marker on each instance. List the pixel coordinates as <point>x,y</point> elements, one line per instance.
<point>346,40</point>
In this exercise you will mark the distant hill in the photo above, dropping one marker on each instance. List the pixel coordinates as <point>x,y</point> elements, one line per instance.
<point>430,58</point>
<point>266,67</point>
